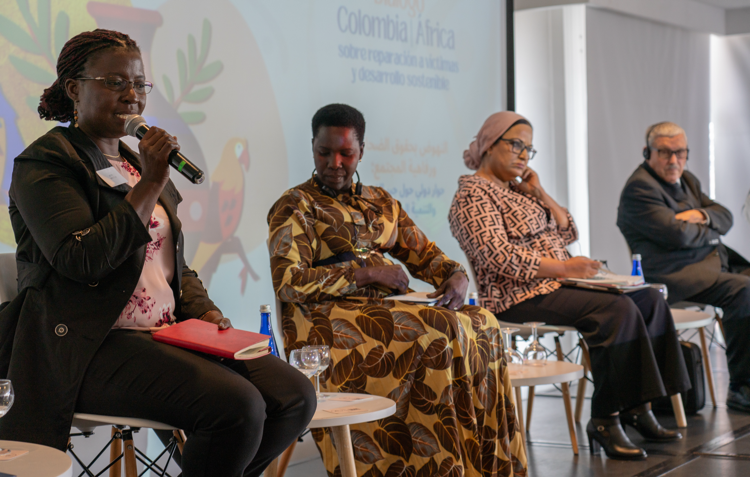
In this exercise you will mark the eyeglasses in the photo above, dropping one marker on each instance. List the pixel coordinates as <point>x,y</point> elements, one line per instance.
<point>666,154</point>
<point>115,83</point>
<point>518,146</point>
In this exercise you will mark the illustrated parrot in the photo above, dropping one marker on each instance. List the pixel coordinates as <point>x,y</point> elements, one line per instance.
<point>225,200</point>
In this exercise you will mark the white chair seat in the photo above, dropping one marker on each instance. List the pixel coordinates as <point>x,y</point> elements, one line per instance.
<point>693,318</point>
<point>87,422</point>
<point>689,319</point>
<point>525,330</point>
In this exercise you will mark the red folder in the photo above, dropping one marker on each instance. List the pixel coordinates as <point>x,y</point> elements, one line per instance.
<point>207,338</point>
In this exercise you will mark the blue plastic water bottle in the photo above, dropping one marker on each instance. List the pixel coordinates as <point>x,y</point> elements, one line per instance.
<point>637,270</point>
<point>267,329</point>
<point>473,298</point>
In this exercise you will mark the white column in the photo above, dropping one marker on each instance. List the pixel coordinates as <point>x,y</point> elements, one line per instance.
<point>576,115</point>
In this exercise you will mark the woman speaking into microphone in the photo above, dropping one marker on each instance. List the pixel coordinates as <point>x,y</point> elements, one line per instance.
<point>100,261</point>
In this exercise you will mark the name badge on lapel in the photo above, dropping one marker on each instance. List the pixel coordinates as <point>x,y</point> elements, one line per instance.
<point>111,176</point>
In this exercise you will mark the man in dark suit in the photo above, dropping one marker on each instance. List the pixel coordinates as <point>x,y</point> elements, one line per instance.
<point>677,229</point>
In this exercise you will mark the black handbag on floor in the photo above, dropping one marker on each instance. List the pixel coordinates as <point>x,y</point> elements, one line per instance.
<point>693,400</point>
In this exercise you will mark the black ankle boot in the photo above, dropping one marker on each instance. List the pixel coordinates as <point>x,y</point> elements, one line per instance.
<point>643,420</point>
<point>608,433</point>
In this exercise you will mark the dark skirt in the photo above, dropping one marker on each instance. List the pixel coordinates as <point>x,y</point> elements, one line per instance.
<point>635,354</point>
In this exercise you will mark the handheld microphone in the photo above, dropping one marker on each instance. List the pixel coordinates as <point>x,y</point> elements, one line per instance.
<point>136,126</point>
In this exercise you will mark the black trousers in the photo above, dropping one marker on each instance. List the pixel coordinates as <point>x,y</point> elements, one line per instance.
<point>635,354</point>
<point>238,415</point>
<point>731,292</point>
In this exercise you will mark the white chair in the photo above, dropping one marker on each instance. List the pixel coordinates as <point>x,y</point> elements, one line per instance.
<point>524,332</point>
<point>676,399</point>
<point>696,319</point>
<point>714,311</point>
<point>121,445</point>
<point>122,427</point>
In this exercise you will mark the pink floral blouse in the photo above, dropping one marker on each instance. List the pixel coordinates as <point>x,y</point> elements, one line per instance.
<point>504,234</point>
<point>152,303</point>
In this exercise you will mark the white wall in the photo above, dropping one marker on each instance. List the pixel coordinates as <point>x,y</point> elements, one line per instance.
<point>551,93</point>
<point>730,77</point>
<point>540,93</point>
<point>639,73</point>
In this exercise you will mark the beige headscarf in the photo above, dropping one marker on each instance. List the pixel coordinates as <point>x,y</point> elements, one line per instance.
<point>492,130</point>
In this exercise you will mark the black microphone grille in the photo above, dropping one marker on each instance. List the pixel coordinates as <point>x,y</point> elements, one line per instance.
<point>132,124</point>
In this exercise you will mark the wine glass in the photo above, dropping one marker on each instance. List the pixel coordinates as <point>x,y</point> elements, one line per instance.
<point>305,361</point>
<point>7,396</point>
<point>512,356</point>
<point>534,354</point>
<point>324,351</point>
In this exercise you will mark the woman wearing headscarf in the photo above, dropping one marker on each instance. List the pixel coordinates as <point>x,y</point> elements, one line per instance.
<point>515,235</point>
<point>442,364</point>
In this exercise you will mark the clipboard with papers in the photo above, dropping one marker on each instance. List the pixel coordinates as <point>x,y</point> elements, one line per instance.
<point>607,281</point>
<point>415,297</point>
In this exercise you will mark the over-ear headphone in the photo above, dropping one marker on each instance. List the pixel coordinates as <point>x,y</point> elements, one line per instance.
<point>647,149</point>
<point>332,193</point>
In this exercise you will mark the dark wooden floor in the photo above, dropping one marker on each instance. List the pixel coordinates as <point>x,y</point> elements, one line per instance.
<point>716,441</point>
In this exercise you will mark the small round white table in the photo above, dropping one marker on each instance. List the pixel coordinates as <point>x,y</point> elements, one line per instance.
<point>371,408</point>
<point>41,461</point>
<point>552,373</point>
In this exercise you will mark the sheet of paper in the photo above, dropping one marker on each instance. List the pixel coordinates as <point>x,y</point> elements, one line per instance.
<point>605,277</point>
<point>414,297</point>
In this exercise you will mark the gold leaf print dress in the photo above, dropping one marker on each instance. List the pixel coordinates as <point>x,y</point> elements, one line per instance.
<point>445,369</point>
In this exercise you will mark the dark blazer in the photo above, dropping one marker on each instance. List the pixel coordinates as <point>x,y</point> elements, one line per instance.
<point>81,250</point>
<point>686,257</point>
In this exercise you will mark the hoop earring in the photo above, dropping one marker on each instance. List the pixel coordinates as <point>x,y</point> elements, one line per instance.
<point>75,114</point>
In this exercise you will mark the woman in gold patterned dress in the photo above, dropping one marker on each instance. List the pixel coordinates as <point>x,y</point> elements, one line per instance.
<point>443,365</point>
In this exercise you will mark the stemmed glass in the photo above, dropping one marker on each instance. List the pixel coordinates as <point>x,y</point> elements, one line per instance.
<point>535,354</point>
<point>512,356</point>
<point>7,396</point>
<point>324,351</point>
<point>305,361</point>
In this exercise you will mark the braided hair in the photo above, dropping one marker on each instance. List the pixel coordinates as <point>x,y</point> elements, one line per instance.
<point>54,104</point>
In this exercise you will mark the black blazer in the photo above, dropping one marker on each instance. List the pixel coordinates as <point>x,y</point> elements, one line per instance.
<point>686,257</point>
<point>81,250</point>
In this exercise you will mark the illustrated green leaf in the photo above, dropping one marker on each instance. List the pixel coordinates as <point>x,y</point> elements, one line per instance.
<point>32,102</point>
<point>62,30</point>
<point>199,95</point>
<point>192,65</point>
<point>43,10</point>
<point>23,5</point>
<point>205,41</point>
<point>168,89</point>
<point>32,71</point>
<point>209,72</point>
<point>193,117</point>
<point>16,35</point>
<point>182,69</point>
